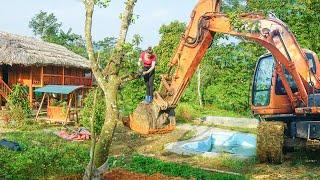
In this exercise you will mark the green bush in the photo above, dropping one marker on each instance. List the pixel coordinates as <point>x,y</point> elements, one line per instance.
<point>59,103</point>
<point>99,113</point>
<point>185,112</point>
<point>18,98</point>
<point>16,116</point>
<point>19,107</point>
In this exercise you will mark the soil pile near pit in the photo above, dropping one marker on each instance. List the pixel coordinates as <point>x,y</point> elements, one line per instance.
<point>120,174</point>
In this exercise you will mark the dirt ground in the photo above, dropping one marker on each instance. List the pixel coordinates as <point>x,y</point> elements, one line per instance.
<point>128,142</point>
<point>120,174</point>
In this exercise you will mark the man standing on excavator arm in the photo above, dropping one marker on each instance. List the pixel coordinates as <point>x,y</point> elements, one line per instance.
<point>148,59</point>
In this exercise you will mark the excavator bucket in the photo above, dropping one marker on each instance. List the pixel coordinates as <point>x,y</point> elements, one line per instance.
<point>149,119</point>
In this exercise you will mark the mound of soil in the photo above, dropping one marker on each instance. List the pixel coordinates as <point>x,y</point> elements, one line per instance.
<point>120,174</point>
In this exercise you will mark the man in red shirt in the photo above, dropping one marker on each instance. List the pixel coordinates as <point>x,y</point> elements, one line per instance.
<point>148,58</point>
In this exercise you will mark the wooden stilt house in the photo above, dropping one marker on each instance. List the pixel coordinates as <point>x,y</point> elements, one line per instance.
<point>35,63</point>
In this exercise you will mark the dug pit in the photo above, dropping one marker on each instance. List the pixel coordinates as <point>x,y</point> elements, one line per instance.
<point>215,141</point>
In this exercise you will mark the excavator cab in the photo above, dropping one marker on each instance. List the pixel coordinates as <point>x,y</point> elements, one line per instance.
<point>269,98</point>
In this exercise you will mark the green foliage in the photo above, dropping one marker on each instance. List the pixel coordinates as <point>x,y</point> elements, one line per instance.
<point>18,99</point>
<point>243,26</point>
<point>16,116</point>
<point>99,113</point>
<point>105,48</point>
<point>46,26</point>
<point>185,112</point>
<point>302,17</point>
<point>228,71</point>
<point>131,95</point>
<point>43,155</point>
<point>147,165</point>
<point>170,38</point>
<point>60,103</point>
<point>102,3</point>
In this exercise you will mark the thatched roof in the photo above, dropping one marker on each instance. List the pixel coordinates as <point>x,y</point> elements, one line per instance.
<point>15,49</point>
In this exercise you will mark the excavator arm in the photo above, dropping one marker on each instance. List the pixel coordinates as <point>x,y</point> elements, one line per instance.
<point>206,20</point>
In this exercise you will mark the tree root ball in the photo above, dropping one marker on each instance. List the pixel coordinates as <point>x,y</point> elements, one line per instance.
<point>270,141</point>
<point>149,119</point>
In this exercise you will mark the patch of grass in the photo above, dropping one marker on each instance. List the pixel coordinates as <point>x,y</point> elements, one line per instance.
<point>29,124</point>
<point>309,175</point>
<point>187,135</point>
<point>211,110</point>
<point>43,155</point>
<point>186,112</point>
<point>229,163</point>
<point>148,165</point>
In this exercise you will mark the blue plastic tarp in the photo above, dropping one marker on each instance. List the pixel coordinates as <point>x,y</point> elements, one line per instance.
<point>58,89</point>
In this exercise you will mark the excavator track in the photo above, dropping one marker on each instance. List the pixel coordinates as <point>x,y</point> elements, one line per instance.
<point>270,141</point>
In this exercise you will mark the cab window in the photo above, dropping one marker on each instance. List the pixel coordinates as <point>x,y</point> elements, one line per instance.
<point>263,81</point>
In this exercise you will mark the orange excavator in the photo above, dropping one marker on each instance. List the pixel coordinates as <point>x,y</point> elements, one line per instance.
<point>285,88</point>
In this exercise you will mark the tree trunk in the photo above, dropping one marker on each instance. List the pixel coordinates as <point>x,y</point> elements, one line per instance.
<point>111,119</point>
<point>199,86</point>
<point>109,83</point>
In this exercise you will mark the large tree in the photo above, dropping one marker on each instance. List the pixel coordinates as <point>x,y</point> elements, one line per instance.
<point>48,28</point>
<point>109,80</point>
<point>45,25</point>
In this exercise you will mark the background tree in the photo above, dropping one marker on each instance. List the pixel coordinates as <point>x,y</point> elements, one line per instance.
<point>302,17</point>
<point>46,26</point>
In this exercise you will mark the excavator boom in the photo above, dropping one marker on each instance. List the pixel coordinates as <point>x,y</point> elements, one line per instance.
<point>206,20</point>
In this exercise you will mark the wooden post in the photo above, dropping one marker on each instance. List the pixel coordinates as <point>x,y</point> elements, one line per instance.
<point>82,96</point>
<point>69,107</point>
<point>30,89</point>
<point>19,72</point>
<point>91,79</point>
<point>38,112</point>
<point>76,105</point>
<point>41,77</point>
<point>48,104</point>
<point>63,75</point>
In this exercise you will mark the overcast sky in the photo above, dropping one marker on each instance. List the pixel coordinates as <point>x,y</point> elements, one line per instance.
<point>16,14</point>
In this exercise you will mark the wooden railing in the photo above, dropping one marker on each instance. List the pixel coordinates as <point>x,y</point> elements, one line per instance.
<point>75,80</point>
<point>5,90</point>
<point>66,80</point>
<point>52,79</point>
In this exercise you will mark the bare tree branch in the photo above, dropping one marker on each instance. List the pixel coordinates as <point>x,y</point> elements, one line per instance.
<point>130,77</point>
<point>89,5</point>
<point>118,53</point>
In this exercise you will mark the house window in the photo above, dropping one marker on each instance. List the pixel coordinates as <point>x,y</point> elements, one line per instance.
<point>87,73</point>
